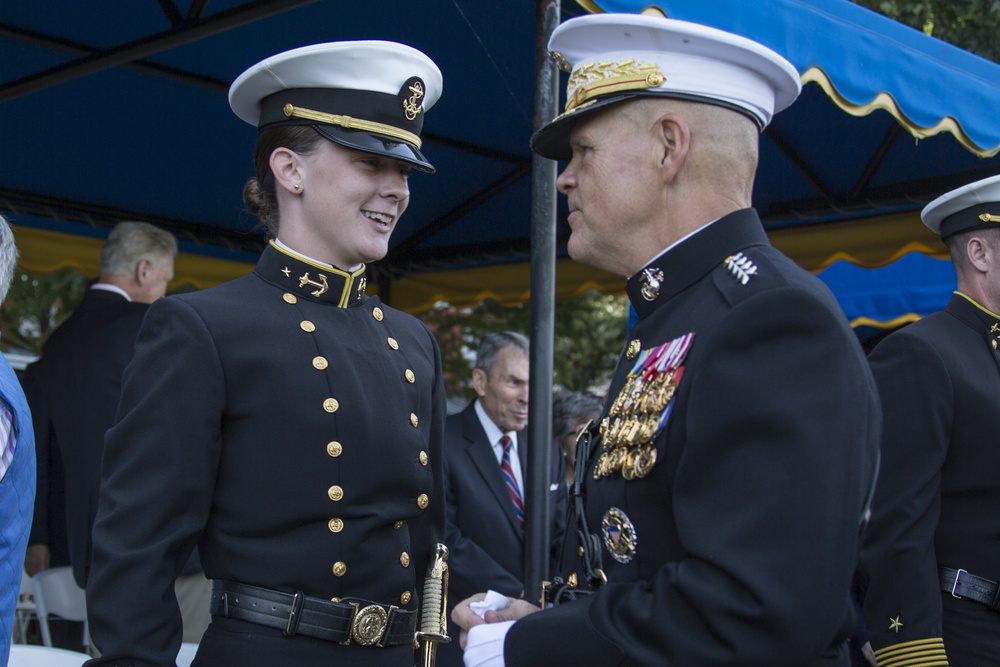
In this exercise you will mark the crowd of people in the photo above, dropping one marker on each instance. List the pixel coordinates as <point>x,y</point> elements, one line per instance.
<point>267,468</point>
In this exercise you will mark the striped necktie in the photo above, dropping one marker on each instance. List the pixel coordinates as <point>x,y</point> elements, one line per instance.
<point>508,477</point>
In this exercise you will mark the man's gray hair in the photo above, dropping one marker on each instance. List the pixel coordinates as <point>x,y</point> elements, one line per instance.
<point>8,257</point>
<point>131,242</point>
<point>491,344</point>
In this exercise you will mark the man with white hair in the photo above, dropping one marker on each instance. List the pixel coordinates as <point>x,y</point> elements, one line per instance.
<point>721,496</point>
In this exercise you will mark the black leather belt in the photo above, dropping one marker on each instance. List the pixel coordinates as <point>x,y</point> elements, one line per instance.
<point>366,623</point>
<point>961,584</point>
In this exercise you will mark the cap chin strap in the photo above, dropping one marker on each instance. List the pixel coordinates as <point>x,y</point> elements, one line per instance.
<point>350,123</point>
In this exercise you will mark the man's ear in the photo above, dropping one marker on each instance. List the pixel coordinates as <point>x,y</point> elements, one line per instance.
<point>286,165</point>
<point>672,139</point>
<point>141,271</point>
<point>479,381</point>
<point>979,254</point>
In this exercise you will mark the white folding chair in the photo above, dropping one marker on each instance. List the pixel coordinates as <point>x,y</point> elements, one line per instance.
<point>57,595</point>
<point>23,655</point>
<point>186,655</point>
<point>25,609</point>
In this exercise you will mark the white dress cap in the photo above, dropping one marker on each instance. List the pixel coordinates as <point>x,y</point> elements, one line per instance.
<point>614,57</point>
<point>366,95</point>
<point>972,206</point>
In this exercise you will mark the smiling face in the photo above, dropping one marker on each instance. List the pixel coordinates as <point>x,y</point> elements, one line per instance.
<point>503,391</point>
<point>346,206</point>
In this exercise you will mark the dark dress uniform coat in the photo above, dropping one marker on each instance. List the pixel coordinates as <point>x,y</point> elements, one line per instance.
<point>736,544</point>
<point>73,391</point>
<point>294,433</point>
<point>937,503</point>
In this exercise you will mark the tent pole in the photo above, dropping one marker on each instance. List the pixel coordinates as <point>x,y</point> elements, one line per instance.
<point>543,279</point>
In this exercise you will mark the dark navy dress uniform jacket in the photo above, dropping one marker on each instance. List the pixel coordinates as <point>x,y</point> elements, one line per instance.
<point>938,497</point>
<point>295,438</point>
<point>746,528</point>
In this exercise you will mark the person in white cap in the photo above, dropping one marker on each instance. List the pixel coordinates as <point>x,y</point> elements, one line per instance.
<point>287,423</point>
<point>932,553</point>
<point>722,492</point>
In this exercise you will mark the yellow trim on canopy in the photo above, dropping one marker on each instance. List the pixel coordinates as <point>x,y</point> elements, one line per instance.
<point>43,251</point>
<point>509,284</point>
<point>885,102</point>
<point>866,242</point>
<point>888,324</point>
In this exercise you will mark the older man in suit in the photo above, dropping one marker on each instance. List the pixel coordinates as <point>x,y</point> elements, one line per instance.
<point>73,391</point>
<point>485,468</point>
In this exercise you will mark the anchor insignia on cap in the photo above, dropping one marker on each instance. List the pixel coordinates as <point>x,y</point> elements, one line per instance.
<point>411,106</point>
<point>322,284</point>
<point>651,279</point>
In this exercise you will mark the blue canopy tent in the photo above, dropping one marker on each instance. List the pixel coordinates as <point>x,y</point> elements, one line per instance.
<point>117,109</point>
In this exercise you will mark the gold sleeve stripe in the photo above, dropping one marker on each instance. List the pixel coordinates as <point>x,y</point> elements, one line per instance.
<point>918,653</point>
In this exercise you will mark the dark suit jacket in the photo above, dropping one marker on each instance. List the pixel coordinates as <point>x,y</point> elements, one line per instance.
<point>737,544</point>
<point>937,502</point>
<point>485,541</point>
<point>73,392</point>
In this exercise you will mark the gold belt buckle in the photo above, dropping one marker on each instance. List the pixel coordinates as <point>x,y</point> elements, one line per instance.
<point>370,625</point>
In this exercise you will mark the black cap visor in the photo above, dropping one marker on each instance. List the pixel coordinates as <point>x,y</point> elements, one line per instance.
<point>373,143</point>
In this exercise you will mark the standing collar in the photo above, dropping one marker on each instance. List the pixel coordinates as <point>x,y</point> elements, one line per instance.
<point>967,310</point>
<point>686,262</point>
<point>309,279</point>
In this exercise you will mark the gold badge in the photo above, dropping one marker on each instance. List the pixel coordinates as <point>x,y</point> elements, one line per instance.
<point>322,285</point>
<point>412,94</point>
<point>633,349</point>
<point>619,535</point>
<point>362,284</point>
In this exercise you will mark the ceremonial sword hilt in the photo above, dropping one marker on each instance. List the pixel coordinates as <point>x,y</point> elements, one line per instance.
<point>433,615</point>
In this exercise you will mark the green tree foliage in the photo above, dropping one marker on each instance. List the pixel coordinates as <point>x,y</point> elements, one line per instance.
<point>36,305</point>
<point>589,334</point>
<point>973,25</point>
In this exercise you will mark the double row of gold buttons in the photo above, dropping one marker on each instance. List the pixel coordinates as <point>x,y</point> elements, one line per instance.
<point>335,449</point>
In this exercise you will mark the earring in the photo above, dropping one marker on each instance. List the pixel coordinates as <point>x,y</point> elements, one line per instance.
<point>296,186</point>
